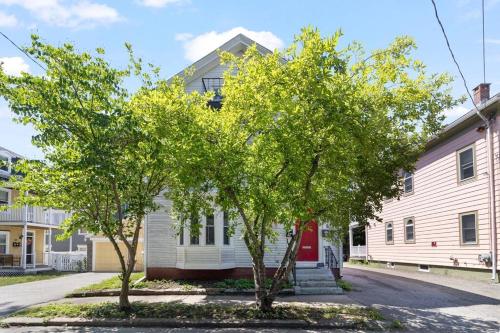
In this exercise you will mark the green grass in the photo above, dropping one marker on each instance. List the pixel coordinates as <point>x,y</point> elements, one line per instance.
<point>201,311</point>
<point>346,285</point>
<point>111,283</point>
<point>8,280</point>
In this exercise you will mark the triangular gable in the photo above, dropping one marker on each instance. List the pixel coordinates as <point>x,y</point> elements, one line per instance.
<point>236,45</point>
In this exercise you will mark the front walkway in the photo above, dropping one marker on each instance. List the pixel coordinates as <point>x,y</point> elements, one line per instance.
<point>18,296</point>
<point>427,302</point>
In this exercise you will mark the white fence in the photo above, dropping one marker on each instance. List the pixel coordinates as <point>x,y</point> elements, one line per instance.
<point>358,251</point>
<point>67,261</point>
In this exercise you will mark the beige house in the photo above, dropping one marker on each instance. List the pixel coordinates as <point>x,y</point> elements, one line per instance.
<point>446,220</point>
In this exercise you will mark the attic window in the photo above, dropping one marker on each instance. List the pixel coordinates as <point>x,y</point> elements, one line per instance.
<point>215,85</point>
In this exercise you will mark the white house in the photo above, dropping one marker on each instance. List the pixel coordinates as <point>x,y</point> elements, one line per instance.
<point>215,254</point>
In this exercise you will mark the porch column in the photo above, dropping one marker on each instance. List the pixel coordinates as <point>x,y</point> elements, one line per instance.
<point>25,235</point>
<point>49,255</point>
<point>350,241</point>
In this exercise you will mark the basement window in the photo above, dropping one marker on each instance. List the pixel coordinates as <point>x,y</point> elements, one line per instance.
<point>423,268</point>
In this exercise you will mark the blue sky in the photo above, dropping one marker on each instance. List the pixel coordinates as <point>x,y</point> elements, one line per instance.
<point>173,33</point>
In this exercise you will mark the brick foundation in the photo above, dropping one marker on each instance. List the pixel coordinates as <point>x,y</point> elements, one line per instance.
<point>202,274</point>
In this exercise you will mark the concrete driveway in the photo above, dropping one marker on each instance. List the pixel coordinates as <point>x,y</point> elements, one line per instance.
<point>443,305</point>
<point>18,296</point>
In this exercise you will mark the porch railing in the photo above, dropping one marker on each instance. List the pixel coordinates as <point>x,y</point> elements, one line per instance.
<point>32,214</point>
<point>357,251</point>
<point>66,261</point>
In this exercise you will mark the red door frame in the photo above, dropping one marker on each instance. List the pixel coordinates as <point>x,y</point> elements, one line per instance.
<point>309,244</point>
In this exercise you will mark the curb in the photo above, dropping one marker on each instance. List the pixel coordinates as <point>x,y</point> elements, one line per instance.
<point>173,323</point>
<point>172,292</point>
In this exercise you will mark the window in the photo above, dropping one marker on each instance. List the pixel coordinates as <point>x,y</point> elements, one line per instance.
<point>466,163</point>
<point>389,239</point>
<point>210,230</point>
<point>4,242</point>
<point>468,228</point>
<point>226,229</point>
<point>407,182</point>
<point>4,163</point>
<point>4,197</point>
<point>424,268</point>
<point>181,236</point>
<point>409,224</point>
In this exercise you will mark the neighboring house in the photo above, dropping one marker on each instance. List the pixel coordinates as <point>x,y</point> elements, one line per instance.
<point>445,221</point>
<point>214,254</point>
<point>24,232</point>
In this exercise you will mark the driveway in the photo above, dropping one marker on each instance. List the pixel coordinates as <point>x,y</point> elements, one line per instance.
<point>18,296</point>
<point>443,305</point>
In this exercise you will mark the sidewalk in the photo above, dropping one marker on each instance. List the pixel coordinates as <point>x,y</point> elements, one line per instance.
<point>486,289</point>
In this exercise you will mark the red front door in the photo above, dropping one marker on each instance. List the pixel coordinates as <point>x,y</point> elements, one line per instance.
<point>308,250</point>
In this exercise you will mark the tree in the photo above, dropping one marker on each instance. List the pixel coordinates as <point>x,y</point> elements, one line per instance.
<point>100,162</point>
<point>316,132</point>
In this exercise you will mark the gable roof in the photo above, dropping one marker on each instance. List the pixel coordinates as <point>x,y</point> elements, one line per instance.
<point>236,45</point>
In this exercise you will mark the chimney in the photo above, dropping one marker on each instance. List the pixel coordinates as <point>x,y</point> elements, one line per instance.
<point>481,93</point>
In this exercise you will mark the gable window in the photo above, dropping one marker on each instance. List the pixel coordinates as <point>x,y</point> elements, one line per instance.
<point>4,242</point>
<point>210,230</point>
<point>4,197</point>
<point>389,235</point>
<point>225,231</point>
<point>213,84</point>
<point>466,163</point>
<point>409,224</point>
<point>4,163</point>
<point>468,228</point>
<point>407,182</point>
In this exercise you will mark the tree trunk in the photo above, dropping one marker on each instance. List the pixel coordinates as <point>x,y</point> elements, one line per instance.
<point>263,300</point>
<point>124,301</point>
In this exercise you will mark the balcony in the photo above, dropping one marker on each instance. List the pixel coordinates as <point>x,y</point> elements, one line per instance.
<point>33,215</point>
<point>214,85</point>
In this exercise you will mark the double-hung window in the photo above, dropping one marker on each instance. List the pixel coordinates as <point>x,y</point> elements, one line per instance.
<point>409,224</point>
<point>389,233</point>
<point>468,228</point>
<point>181,235</point>
<point>466,161</point>
<point>210,230</point>
<point>4,197</point>
<point>407,182</point>
<point>194,236</point>
<point>226,238</point>
<point>4,242</point>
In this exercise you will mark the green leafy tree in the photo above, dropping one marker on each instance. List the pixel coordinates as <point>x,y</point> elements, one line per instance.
<point>100,162</point>
<point>316,132</point>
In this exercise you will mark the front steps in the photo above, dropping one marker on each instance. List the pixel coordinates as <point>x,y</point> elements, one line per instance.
<point>316,281</point>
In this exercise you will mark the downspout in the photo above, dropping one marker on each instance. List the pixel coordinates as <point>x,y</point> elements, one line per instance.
<point>491,195</point>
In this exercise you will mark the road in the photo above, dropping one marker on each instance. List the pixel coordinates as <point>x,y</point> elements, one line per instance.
<point>445,305</point>
<point>152,330</point>
<point>18,296</point>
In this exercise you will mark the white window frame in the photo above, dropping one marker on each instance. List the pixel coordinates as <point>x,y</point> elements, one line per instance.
<point>474,164</point>
<point>225,218</point>
<point>405,222</point>
<point>212,227</point>
<point>460,226</point>
<point>181,236</point>
<point>392,233</point>
<point>7,240</point>
<point>405,177</point>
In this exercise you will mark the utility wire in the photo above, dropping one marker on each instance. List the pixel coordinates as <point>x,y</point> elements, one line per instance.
<point>23,51</point>
<point>456,63</point>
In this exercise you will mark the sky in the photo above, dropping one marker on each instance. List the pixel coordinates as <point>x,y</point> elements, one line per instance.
<point>174,33</point>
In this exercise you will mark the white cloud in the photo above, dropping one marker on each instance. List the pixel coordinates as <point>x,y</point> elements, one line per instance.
<point>160,3</point>
<point>14,65</point>
<point>455,113</point>
<point>196,47</point>
<point>73,14</point>
<point>7,21</point>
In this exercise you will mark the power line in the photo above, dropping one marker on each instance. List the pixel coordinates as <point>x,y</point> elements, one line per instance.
<point>23,51</point>
<point>456,62</point>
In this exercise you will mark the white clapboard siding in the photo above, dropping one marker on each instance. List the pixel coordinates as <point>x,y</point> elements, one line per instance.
<point>161,237</point>
<point>435,205</point>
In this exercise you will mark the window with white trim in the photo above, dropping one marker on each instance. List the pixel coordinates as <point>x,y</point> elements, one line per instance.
<point>409,224</point>
<point>407,182</point>
<point>225,231</point>
<point>389,233</point>
<point>468,228</point>
<point>181,236</point>
<point>4,197</point>
<point>4,163</point>
<point>210,230</point>
<point>466,163</point>
<point>4,242</point>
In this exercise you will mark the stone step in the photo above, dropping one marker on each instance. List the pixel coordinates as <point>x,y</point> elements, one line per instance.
<point>318,290</point>
<point>319,283</point>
